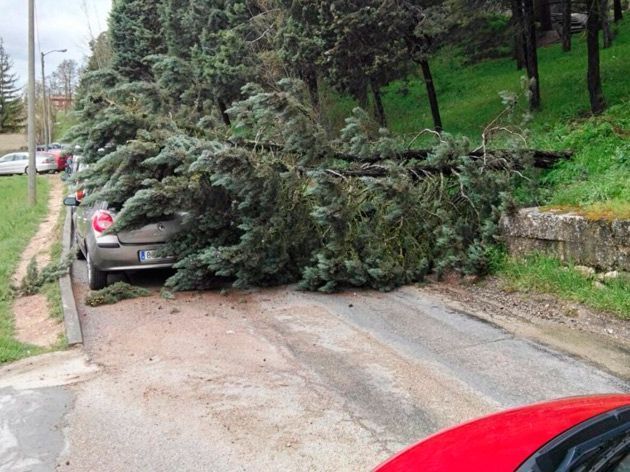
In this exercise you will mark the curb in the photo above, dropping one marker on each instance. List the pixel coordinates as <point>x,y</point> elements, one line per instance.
<point>74,334</point>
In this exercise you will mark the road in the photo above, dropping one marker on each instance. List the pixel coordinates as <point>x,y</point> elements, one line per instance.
<point>286,380</point>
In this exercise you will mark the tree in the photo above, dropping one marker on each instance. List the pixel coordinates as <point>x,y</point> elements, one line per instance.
<point>519,33</point>
<point>419,26</point>
<point>101,57</point>
<point>531,54</point>
<point>135,32</point>
<point>543,14</point>
<point>593,77</point>
<point>566,25</point>
<point>64,80</point>
<point>618,11</point>
<point>300,43</point>
<point>11,104</point>
<point>604,16</point>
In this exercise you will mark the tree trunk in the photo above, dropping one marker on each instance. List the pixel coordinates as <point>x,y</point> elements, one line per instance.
<point>362,97</point>
<point>519,38</point>
<point>543,10</point>
<point>224,115</point>
<point>310,78</point>
<point>531,55</point>
<point>379,110</point>
<point>605,20</point>
<point>433,101</point>
<point>592,43</point>
<point>618,11</point>
<point>566,25</point>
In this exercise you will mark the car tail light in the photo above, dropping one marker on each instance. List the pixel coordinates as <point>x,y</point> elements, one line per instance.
<point>102,221</point>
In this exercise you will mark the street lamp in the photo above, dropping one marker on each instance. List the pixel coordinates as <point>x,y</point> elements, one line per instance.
<point>46,120</point>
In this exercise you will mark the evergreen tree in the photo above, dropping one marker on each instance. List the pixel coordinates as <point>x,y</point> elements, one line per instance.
<point>301,44</point>
<point>101,56</point>
<point>136,32</point>
<point>11,104</point>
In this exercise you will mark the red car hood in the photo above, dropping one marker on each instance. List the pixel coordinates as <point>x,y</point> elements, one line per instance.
<point>503,441</point>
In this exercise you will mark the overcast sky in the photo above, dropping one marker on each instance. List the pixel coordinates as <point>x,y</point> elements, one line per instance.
<point>62,24</point>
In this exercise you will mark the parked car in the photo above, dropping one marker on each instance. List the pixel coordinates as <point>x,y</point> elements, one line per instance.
<point>106,251</point>
<point>60,158</point>
<point>570,435</point>
<point>17,163</point>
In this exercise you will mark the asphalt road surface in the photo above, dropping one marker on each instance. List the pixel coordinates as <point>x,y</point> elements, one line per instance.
<point>281,380</point>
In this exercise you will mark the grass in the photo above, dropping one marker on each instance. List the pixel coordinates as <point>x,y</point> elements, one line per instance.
<point>18,224</point>
<point>596,182</point>
<point>540,273</point>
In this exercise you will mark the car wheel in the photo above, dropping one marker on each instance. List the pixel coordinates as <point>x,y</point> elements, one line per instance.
<point>26,171</point>
<point>97,279</point>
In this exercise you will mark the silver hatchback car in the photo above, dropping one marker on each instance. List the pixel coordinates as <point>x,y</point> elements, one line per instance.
<point>116,252</point>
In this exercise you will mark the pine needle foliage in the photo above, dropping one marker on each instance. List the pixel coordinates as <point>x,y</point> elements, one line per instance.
<point>265,196</point>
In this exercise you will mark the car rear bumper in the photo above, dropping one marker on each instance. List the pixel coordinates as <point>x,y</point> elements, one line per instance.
<point>108,254</point>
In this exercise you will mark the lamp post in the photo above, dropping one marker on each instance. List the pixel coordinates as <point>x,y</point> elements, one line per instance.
<point>46,119</point>
<point>32,169</point>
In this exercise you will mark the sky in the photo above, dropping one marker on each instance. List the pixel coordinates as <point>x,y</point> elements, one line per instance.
<point>61,24</point>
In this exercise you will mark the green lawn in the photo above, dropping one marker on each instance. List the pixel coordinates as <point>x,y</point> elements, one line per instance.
<point>18,223</point>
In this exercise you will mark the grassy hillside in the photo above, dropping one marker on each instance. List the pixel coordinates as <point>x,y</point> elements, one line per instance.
<point>469,94</point>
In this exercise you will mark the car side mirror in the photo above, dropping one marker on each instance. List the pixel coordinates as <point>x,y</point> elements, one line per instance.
<point>71,202</point>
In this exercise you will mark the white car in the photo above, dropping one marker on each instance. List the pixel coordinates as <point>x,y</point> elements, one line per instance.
<point>17,163</point>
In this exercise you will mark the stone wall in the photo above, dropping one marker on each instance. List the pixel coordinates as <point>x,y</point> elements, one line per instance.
<point>602,244</point>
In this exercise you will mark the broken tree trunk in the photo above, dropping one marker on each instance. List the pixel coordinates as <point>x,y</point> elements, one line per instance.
<point>541,159</point>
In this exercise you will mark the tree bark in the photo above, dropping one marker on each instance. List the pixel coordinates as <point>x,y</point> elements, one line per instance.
<point>519,38</point>
<point>605,20</point>
<point>592,44</point>
<point>531,54</point>
<point>379,110</point>
<point>362,97</point>
<point>310,78</point>
<point>566,25</point>
<point>543,10</point>
<point>617,10</point>
<point>433,101</point>
<point>224,115</point>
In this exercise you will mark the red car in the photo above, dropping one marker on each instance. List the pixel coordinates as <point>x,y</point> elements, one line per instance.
<point>581,434</point>
<point>60,158</point>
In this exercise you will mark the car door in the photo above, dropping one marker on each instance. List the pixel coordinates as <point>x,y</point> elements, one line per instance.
<point>6,162</point>
<point>20,162</point>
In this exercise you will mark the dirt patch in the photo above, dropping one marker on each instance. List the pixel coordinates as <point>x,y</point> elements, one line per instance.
<point>39,246</point>
<point>33,324</point>
<point>12,142</point>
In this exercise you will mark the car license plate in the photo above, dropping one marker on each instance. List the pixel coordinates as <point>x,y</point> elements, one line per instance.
<point>148,256</point>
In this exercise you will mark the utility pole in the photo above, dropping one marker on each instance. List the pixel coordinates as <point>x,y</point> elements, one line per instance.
<point>45,104</point>
<point>32,164</point>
